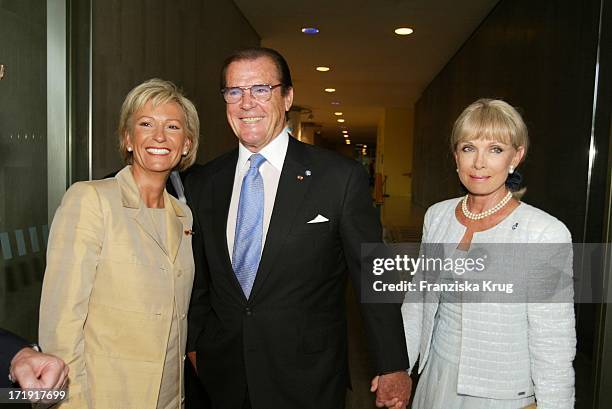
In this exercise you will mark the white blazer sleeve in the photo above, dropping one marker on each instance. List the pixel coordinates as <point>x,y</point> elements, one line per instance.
<point>552,334</point>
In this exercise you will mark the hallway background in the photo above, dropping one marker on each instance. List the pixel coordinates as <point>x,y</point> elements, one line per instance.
<point>399,95</point>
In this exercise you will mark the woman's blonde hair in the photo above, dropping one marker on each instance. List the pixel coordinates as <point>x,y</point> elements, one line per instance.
<point>490,119</point>
<point>158,92</point>
<point>495,120</point>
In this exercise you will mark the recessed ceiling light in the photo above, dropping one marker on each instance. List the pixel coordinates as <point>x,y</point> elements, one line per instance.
<point>365,146</point>
<point>344,131</point>
<point>330,89</point>
<point>348,142</point>
<point>335,103</point>
<point>403,31</point>
<point>323,69</point>
<point>340,120</point>
<point>338,113</point>
<point>310,30</point>
<point>346,135</point>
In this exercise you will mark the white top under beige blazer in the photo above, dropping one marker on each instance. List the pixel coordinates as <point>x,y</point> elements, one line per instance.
<point>507,350</point>
<point>111,289</point>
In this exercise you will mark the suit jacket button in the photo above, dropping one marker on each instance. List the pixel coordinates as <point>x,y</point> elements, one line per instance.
<point>248,311</point>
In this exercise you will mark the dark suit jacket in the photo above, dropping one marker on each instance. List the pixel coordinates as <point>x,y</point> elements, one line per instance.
<point>10,344</point>
<point>286,344</point>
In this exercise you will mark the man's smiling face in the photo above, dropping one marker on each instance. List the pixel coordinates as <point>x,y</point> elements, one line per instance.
<point>254,122</point>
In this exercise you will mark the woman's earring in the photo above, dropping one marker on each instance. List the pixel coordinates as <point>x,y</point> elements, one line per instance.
<point>129,149</point>
<point>511,169</point>
<point>185,153</point>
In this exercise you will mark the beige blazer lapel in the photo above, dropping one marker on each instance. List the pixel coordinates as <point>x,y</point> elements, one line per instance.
<point>136,209</point>
<point>174,220</point>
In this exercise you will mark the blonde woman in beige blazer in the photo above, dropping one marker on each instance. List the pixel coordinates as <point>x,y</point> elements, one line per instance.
<point>119,264</point>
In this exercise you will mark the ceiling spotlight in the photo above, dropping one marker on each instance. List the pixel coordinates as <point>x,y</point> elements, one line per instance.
<point>338,113</point>
<point>403,31</point>
<point>340,120</point>
<point>330,89</point>
<point>310,30</point>
<point>348,142</point>
<point>323,69</point>
<point>346,135</point>
<point>344,131</point>
<point>335,103</point>
<point>365,146</point>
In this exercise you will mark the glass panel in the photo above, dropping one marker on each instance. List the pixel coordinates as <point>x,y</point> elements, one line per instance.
<point>23,162</point>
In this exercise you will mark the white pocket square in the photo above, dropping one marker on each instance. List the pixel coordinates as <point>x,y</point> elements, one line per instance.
<point>319,219</point>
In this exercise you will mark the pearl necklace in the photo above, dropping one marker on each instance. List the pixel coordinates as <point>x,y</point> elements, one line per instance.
<point>486,213</point>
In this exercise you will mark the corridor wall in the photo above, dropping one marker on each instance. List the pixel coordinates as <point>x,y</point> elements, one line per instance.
<point>539,57</point>
<point>184,41</point>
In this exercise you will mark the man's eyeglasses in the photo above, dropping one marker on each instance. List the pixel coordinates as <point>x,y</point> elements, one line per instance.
<point>261,93</point>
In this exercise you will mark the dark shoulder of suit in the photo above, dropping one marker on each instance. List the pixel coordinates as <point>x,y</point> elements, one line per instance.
<point>195,177</point>
<point>10,344</point>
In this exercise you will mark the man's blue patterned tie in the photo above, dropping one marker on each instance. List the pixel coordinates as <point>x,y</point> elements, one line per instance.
<point>249,226</point>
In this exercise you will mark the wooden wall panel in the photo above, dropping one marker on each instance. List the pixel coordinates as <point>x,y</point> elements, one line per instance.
<point>184,41</point>
<point>540,57</point>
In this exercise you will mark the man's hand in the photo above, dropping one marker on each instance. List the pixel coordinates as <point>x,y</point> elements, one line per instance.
<point>392,390</point>
<point>35,370</point>
<point>192,359</point>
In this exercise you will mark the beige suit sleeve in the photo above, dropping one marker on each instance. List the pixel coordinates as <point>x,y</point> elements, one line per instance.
<point>74,245</point>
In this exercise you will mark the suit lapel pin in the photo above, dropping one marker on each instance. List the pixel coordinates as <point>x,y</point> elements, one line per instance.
<point>514,226</point>
<point>306,172</point>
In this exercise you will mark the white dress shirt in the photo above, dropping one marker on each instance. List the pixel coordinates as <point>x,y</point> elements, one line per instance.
<point>270,171</point>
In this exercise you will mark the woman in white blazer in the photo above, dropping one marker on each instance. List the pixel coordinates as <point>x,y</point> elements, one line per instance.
<point>119,264</point>
<point>491,355</point>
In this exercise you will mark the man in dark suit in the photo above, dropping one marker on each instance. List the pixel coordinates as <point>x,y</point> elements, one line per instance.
<point>277,225</point>
<point>29,368</point>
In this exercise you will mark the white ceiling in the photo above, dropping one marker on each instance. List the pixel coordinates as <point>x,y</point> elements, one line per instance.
<point>372,68</point>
